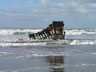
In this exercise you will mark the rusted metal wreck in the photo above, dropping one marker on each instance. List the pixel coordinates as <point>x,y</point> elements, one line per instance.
<point>53,31</point>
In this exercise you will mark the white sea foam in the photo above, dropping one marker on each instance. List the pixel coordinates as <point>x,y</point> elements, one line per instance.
<point>83,42</point>
<point>21,44</point>
<point>80,32</point>
<point>73,32</point>
<point>45,42</point>
<point>6,53</point>
<point>17,31</point>
<point>78,65</point>
<point>26,31</point>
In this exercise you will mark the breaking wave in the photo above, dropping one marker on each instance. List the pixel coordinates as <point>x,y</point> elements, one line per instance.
<point>11,37</point>
<point>27,31</point>
<point>48,42</point>
<point>81,32</point>
<point>17,31</point>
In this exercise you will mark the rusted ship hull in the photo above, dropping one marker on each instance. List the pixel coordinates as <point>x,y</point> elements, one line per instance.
<point>53,31</point>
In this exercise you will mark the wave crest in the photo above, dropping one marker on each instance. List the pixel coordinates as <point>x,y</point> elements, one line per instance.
<point>48,42</point>
<point>27,31</point>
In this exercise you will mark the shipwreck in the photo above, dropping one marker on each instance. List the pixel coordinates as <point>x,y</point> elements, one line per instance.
<point>54,31</point>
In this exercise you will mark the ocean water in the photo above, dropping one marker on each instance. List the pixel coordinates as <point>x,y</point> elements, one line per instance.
<point>77,53</point>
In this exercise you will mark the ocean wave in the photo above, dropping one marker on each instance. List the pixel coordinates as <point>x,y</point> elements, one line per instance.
<point>48,42</point>
<point>81,32</point>
<point>27,31</point>
<point>83,42</point>
<point>17,31</point>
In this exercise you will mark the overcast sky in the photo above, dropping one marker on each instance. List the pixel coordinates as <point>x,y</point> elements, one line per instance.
<point>41,13</point>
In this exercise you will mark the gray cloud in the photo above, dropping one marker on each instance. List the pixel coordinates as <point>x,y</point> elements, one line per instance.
<point>72,12</point>
<point>79,7</point>
<point>83,6</point>
<point>54,8</point>
<point>35,11</point>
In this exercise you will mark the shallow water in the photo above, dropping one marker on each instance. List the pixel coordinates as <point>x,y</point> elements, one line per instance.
<point>48,58</point>
<point>75,54</point>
